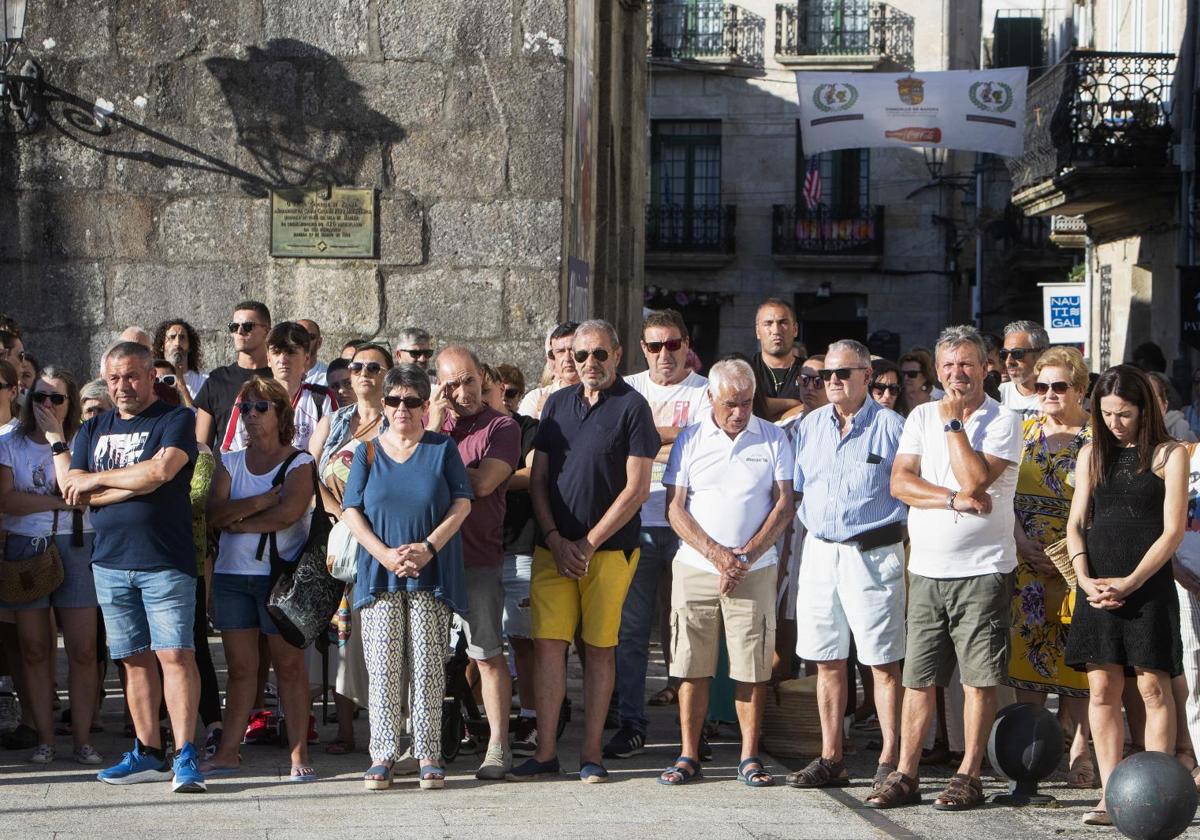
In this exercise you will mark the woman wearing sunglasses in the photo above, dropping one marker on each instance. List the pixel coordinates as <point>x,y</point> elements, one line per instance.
<point>406,498</point>
<point>886,388</point>
<point>35,515</point>
<point>246,504</point>
<point>1045,485</point>
<point>919,381</point>
<point>333,444</point>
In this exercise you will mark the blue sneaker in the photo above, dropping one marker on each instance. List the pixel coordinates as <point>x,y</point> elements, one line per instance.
<point>135,766</point>
<point>188,778</point>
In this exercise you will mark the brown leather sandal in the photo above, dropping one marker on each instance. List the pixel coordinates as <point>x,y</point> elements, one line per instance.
<point>881,773</point>
<point>820,772</point>
<point>896,791</point>
<point>962,793</point>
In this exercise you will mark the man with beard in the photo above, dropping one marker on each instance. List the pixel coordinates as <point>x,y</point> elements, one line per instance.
<point>179,343</point>
<point>776,368</point>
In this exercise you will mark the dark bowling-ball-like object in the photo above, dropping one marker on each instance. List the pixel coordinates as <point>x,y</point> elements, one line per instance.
<point>1025,745</point>
<point>1150,796</point>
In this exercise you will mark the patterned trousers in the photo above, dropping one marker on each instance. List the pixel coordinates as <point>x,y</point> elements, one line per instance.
<point>405,637</point>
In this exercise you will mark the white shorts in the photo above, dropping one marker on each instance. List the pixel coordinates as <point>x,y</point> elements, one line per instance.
<point>844,591</point>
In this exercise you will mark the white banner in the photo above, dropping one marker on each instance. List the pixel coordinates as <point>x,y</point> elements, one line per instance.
<point>1065,312</point>
<point>976,110</point>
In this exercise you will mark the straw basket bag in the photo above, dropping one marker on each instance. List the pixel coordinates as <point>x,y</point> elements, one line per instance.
<point>791,724</point>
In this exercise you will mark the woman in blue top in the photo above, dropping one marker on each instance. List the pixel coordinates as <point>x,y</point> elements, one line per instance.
<point>407,495</point>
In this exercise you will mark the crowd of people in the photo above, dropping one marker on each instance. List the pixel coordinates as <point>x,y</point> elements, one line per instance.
<point>961,528</point>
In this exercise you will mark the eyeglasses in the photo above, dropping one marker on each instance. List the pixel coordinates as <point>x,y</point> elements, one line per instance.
<point>811,380</point>
<point>512,393</point>
<point>245,327</point>
<point>911,374</point>
<point>4,386</point>
<point>42,396</point>
<point>408,402</point>
<point>656,347</point>
<point>842,373</point>
<point>581,356</point>
<point>92,411</point>
<point>1017,354</point>
<point>369,367</point>
<point>167,379</point>
<point>416,354</point>
<point>878,388</point>
<point>260,406</point>
<point>1044,388</point>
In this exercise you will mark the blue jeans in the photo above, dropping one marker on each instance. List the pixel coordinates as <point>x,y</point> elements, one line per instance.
<point>146,610</point>
<point>637,618</point>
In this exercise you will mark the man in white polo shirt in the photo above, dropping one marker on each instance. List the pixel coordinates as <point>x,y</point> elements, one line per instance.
<point>956,469</point>
<point>729,498</point>
<point>678,397</point>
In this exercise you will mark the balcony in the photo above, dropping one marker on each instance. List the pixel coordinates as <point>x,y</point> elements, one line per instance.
<point>706,30</point>
<point>1097,139</point>
<point>695,237</point>
<point>1028,243</point>
<point>1068,231</point>
<point>804,238</point>
<point>843,35</point>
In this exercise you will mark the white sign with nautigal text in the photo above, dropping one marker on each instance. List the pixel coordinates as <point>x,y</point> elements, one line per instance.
<point>1065,312</point>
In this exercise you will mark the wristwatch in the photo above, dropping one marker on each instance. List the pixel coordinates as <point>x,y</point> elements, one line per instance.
<point>59,448</point>
<point>953,426</point>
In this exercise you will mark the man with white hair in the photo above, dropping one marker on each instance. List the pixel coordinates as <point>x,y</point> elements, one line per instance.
<point>957,471</point>
<point>138,336</point>
<point>729,498</point>
<point>414,346</point>
<point>851,582</point>
<point>1024,343</point>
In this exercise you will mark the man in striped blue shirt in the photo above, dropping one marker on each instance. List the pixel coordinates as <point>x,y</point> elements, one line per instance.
<point>852,568</point>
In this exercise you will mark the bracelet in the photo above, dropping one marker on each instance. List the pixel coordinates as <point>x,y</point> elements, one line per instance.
<point>548,533</point>
<point>432,550</point>
<point>1078,554</point>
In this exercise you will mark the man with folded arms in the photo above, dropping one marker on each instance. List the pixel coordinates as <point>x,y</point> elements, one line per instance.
<point>852,579</point>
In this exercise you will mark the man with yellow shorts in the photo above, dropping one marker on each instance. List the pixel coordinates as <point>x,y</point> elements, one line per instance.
<point>590,476</point>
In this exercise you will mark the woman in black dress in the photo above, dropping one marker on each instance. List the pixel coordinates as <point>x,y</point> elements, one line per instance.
<point>1132,480</point>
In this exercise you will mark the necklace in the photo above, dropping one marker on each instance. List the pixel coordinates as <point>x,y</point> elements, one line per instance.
<point>776,381</point>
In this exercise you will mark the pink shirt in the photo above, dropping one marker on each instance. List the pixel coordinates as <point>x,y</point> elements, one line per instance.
<point>488,434</point>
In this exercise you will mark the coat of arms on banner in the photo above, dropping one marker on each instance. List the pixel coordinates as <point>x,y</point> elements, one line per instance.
<point>837,96</point>
<point>991,96</point>
<point>911,90</point>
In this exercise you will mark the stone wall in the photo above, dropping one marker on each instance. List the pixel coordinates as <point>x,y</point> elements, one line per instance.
<point>452,109</point>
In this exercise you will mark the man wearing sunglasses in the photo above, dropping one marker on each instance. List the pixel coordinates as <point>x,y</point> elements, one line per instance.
<point>591,474</point>
<point>414,347</point>
<point>562,366</point>
<point>490,446</point>
<point>1024,343</point>
<point>678,397</point>
<point>851,583</point>
<point>248,328</point>
<point>133,466</point>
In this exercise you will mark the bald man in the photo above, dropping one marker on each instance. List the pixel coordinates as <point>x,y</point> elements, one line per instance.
<point>138,336</point>
<point>316,368</point>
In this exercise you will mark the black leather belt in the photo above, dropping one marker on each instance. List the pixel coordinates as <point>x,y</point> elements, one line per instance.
<point>878,537</point>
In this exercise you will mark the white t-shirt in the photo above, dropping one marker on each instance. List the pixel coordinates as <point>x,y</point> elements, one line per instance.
<point>32,467</point>
<point>316,374</point>
<point>309,407</point>
<point>947,544</point>
<point>237,554</point>
<point>1010,397</point>
<point>678,405</point>
<point>193,379</point>
<point>531,404</point>
<point>730,483</point>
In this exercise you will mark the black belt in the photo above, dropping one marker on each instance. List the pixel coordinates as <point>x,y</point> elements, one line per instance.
<point>878,537</point>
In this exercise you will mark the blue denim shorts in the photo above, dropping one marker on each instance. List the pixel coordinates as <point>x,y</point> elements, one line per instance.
<point>239,603</point>
<point>146,610</point>
<point>77,590</point>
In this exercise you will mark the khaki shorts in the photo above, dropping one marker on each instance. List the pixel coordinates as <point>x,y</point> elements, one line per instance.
<point>964,619</point>
<point>699,612</point>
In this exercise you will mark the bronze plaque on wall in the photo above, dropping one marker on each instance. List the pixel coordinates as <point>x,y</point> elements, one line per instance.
<point>323,222</point>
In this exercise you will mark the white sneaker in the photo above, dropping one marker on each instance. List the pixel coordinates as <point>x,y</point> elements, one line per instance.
<point>88,755</point>
<point>42,754</point>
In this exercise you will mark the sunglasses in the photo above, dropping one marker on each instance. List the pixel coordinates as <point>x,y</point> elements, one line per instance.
<point>512,393</point>
<point>879,387</point>
<point>1018,354</point>
<point>842,373</point>
<point>92,411</point>
<point>245,327</point>
<point>656,347</point>
<point>911,374</point>
<point>4,386</point>
<point>369,367</point>
<point>811,380</point>
<point>1044,388</point>
<point>408,402</point>
<point>261,406</point>
<point>42,396</point>
<point>417,354</point>
<point>581,356</point>
<point>167,379</point>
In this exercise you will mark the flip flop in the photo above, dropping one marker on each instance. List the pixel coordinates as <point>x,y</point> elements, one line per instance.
<point>213,771</point>
<point>302,773</point>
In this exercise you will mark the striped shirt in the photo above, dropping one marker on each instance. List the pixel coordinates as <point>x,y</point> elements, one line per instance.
<point>847,482</point>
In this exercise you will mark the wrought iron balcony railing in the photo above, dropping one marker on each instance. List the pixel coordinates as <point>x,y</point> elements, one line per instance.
<point>1096,108</point>
<point>706,29</point>
<point>798,231</point>
<point>843,28</point>
<point>708,230</point>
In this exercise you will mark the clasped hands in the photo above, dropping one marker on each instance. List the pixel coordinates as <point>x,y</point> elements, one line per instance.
<point>1107,593</point>
<point>406,560</point>
<point>731,565</point>
<point>570,556</point>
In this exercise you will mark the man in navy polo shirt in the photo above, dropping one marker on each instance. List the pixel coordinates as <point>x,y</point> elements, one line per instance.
<point>590,476</point>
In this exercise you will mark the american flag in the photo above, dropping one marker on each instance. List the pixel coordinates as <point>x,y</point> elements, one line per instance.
<point>812,185</point>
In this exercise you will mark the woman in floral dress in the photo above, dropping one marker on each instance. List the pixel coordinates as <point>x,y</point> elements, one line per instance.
<point>1046,484</point>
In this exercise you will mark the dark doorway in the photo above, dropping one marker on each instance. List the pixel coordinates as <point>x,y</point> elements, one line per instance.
<point>824,320</point>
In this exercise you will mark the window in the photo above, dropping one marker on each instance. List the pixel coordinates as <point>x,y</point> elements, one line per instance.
<point>840,27</point>
<point>845,179</point>
<point>685,181</point>
<point>1017,41</point>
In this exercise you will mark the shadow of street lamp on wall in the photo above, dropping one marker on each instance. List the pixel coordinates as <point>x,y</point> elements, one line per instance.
<point>20,93</point>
